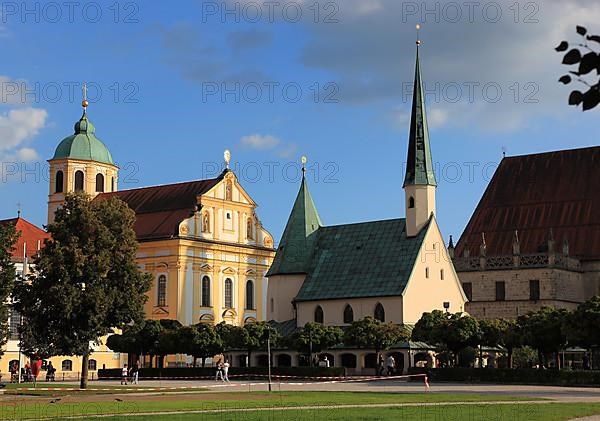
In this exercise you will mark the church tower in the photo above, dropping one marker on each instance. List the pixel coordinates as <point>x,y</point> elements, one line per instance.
<point>290,265</point>
<point>81,162</point>
<point>419,182</point>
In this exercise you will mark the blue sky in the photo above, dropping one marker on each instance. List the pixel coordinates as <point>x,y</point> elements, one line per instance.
<point>181,81</point>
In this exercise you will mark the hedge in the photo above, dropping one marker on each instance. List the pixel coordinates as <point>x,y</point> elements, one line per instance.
<point>514,376</point>
<point>183,372</point>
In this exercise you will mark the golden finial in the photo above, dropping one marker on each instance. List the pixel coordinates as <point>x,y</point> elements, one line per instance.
<point>227,157</point>
<point>418,26</point>
<point>85,102</point>
<point>303,160</point>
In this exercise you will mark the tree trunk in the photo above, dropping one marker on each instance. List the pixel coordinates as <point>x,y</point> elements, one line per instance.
<point>540,359</point>
<point>203,361</point>
<point>84,371</point>
<point>510,357</point>
<point>249,355</point>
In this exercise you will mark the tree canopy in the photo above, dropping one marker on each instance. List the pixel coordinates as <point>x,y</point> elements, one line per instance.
<point>314,337</point>
<point>372,333</point>
<point>8,239</point>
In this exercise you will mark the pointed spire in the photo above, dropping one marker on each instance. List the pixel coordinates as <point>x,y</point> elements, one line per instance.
<point>297,241</point>
<point>419,165</point>
<point>451,248</point>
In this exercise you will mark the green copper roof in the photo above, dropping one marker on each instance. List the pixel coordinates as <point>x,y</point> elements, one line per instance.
<point>298,237</point>
<point>370,259</point>
<point>419,165</point>
<point>84,144</point>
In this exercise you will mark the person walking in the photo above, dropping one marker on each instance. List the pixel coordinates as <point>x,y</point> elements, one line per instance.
<point>380,366</point>
<point>226,371</point>
<point>135,373</point>
<point>391,364</point>
<point>219,374</point>
<point>124,374</point>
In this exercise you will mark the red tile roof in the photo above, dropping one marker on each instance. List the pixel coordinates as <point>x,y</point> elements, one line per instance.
<point>160,209</point>
<point>31,239</point>
<point>536,193</point>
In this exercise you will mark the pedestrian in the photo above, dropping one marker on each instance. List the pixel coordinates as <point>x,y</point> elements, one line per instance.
<point>124,373</point>
<point>380,366</point>
<point>50,370</point>
<point>135,373</point>
<point>219,371</point>
<point>14,372</point>
<point>391,363</point>
<point>226,371</point>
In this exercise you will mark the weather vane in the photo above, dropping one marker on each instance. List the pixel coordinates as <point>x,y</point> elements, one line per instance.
<point>303,160</point>
<point>418,26</point>
<point>227,157</point>
<point>85,102</point>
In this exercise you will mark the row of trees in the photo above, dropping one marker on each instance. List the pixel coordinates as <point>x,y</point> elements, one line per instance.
<point>547,331</point>
<point>159,338</point>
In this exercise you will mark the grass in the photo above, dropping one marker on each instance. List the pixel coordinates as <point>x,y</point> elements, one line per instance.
<point>91,405</point>
<point>12,389</point>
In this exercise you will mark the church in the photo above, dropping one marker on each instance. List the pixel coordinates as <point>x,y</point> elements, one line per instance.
<point>392,270</point>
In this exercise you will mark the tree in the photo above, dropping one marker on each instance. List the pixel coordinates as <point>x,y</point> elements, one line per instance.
<point>8,239</point>
<point>314,337</point>
<point>586,63</point>
<point>85,282</point>
<point>511,337</point>
<point>252,337</point>
<point>200,341</point>
<point>582,326</point>
<point>430,327</point>
<point>372,333</point>
<point>543,330</point>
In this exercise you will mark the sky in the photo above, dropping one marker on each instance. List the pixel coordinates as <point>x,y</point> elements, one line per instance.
<point>172,85</point>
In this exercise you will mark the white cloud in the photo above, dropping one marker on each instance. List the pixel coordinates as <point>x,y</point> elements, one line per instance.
<point>260,142</point>
<point>27,155</point>
<point>19,126</point>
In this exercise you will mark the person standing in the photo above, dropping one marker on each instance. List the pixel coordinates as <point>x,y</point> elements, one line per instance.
<point>380,366</point>
<point>219,371</point>
<point>124,374</point>
<point>391,363</point>
<point>135,373</point>
<point>226,371</point>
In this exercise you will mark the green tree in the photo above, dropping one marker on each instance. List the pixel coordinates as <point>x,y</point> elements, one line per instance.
<point>86,281</point>
<point>314,337</point>
<point>8,239</point>
<point>582,326</point>
<point>543,330</point>
<point>200,341</point>
<point>252,337</point>
<point>511,337</point>
<point>374,334</point>
<point>429,329</point>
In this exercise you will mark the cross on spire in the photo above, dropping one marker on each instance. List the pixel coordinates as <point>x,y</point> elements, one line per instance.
<point>85,102</point>
<point>19,210</point>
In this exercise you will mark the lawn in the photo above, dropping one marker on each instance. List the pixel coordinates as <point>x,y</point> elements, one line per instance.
<point>12,389</point>
<point>86,403</point>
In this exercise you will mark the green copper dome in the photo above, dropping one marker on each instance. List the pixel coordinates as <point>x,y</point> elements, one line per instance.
<point>83,144</point>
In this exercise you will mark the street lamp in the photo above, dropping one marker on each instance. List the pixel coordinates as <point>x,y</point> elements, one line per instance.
<point>269,353</point>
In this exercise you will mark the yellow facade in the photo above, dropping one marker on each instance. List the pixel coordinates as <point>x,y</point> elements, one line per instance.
<point>223,245</point>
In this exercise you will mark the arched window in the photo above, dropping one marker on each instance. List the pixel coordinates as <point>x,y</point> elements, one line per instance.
<point>228,190</point>
<point>379,313</point>
<point>249,295</point>
<point>411,202</point>
<point>319,314</point>
<point>162,291</point>
<point>112,184</point>
<point>250,229</point>
<point>205,222</point>
<point>348,314</point>
<point>78,180</point>
<point>59,182</point>
<point>228,293</point>
<point>205,291</point>
<point>99,183</point>
<point>92,365</point>
<point>67,365</point>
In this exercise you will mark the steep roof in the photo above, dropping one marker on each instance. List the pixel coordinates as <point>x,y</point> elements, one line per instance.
<point>370,259</point>
<point>83,144</point>
<point>298,237</point>
<point>30,239</point>
<point>535,193</point>
<point>160,209</point>
<point>419,164</point>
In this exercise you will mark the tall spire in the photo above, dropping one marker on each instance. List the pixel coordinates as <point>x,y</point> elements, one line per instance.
<point>297,241</point>
<point>419,165</point>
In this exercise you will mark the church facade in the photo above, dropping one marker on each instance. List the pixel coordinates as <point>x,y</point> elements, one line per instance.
<point>534,238</point>
<point>392,270</point>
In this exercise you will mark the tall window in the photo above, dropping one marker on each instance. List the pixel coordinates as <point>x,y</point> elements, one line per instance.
<point>348,314</point>
<point>249,229</point>
<point>112,184</point>
<point>78,180</point>
<point>92,365</point>
<point>162,291</point>
<point>205,301</point>
<point>14,323</point>
<point>59,182</point>
<point>250,295</point>
<point>228,293</point>
<point>99,183</point>
<point>468,289</point>
<point>319,314</point>
<point>442,274</point>
<point>379,313</point>
<point>67,365</point>
<point>427,273</point>
<point>534,290</point>
<point>500,291</point>
<point>411,202</point>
